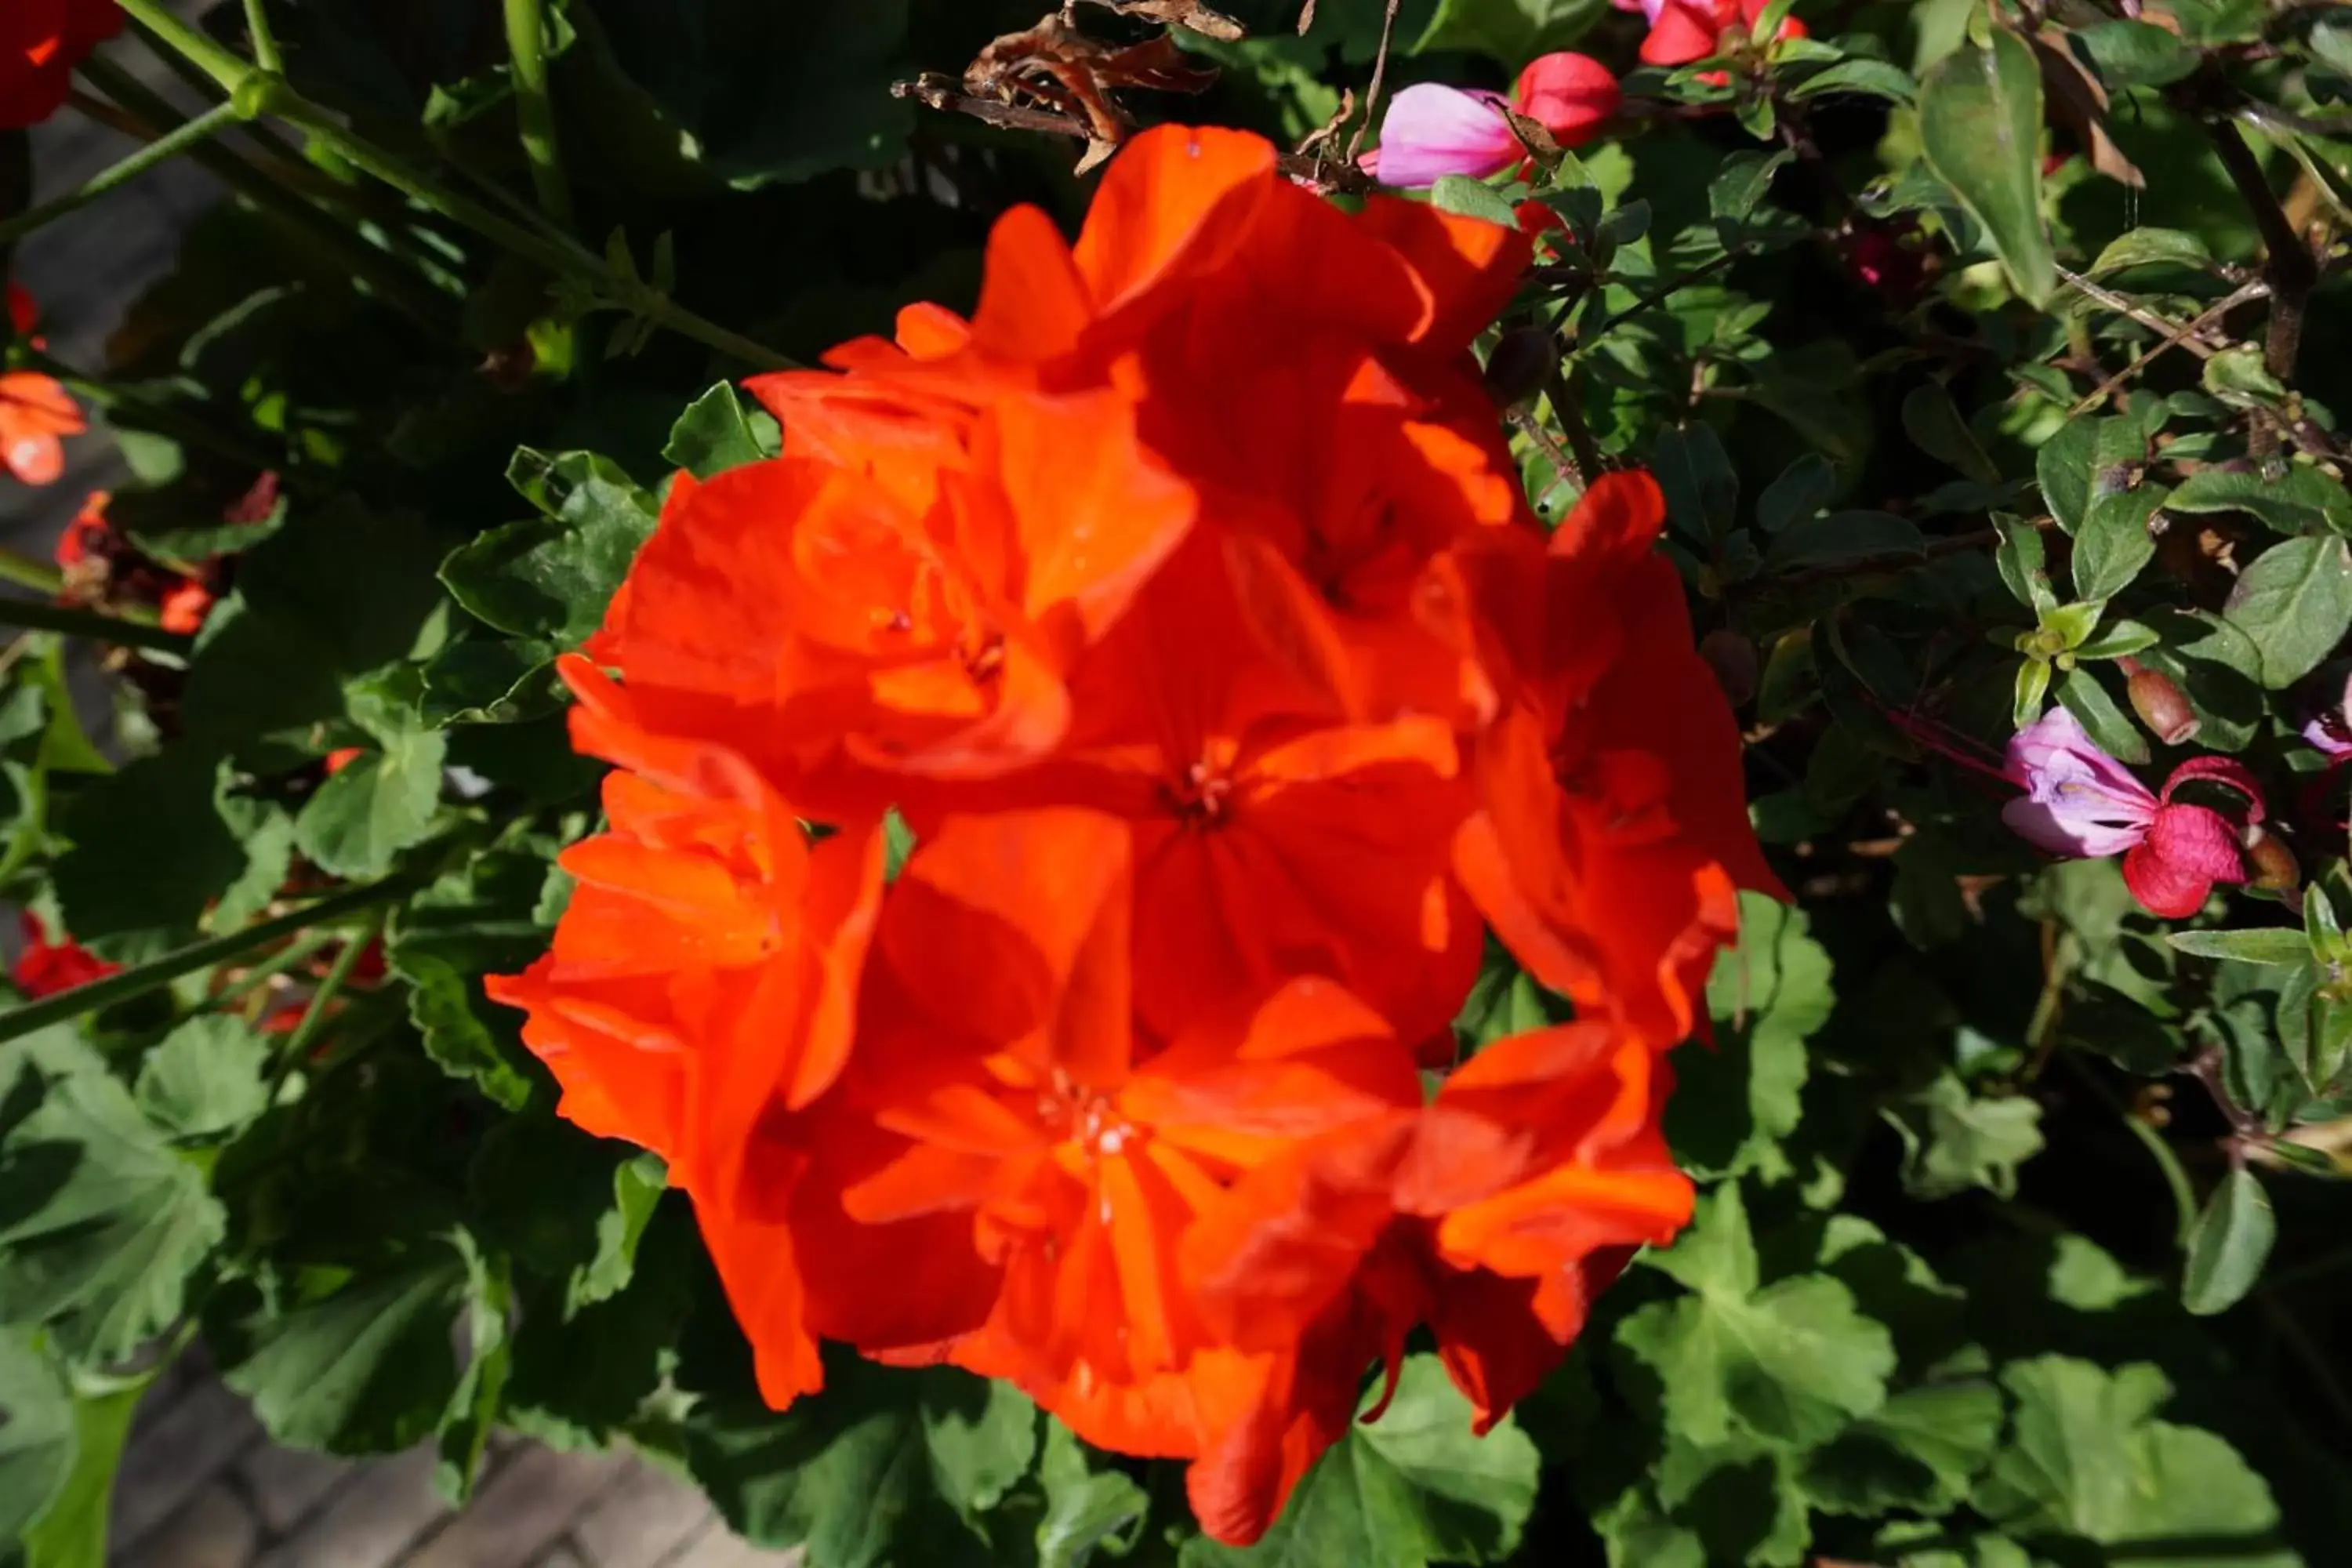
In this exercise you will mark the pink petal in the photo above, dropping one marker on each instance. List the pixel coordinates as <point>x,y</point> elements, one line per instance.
<point>1432,130</point>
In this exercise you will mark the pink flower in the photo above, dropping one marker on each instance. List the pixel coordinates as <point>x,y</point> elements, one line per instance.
<point>1432,130</point>
<point>2080,801</point>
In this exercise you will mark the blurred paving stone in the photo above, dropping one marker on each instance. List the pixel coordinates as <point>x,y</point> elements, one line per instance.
<point>286,1484</point>
<point>215,1530</point>
<point>197,1435</point>
<point>719,1548</point>
<point>371,1522</point>
<point>522,1510</point>
<point>642,1521</point>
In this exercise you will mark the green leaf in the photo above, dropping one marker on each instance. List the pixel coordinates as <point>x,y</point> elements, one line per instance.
<point>1936,427</point>
<point>2238,377</point>
<point>2119,639</point>
<point>151,849</point>
<point>382,802</point>
<point>485,918</point>
<point>2138,54</point>
<point>2033,687</point>
<point>1980,132</point>
<point>1862,76</point>
<point>2113,542</point>
<point>2228,1246</point>
<point>2080,694</point>
<point>551,578</point>
<point>37,1434</point>
<point>887,1466</point>
<point>717,433</point>
<point>1842,537</point>
<point>1922,1451</point>
<point>1507,1000</point>
<point>2270,944</point>
<point>1087,1509</point>
<point>2085,1459</point>
<point>696,95</point>
<point>1803,488</point>
<point>1702,487</point>
<point>367,1369</point>
<point>1953,1141</point>
<point>72,1532</point>
<point>277,657</point>
<point>104,1223</point>
<point>2153,248</point>
<point>2295,603</point>
<point>205,1078</point>
<point>1512,31</point>
<point>2064,469</point>
<point>2022,561</point>
<point>1412,1489</point>
<point>2300,500</point>
<point>1795,1361</point>
<point>1467,197</point>
<point>1737,1100</point>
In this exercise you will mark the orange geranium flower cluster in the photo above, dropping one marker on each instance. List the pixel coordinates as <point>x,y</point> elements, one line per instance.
<point>1188,608</point>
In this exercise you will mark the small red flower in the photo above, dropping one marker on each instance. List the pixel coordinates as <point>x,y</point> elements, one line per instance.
<point>184,608</point>
<point>85,536</point>
<point>342,757</point>
<point>45,967</point>
<point>41,42</point>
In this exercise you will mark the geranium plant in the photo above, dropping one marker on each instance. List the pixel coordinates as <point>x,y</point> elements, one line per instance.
<point>1449,781</point>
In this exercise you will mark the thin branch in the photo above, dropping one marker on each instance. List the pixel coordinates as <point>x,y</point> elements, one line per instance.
<point>1380,74</point>
<point>1659,295</point>
<point>1566,392</point>
<point>2183,336</point>
<point>933,93</point>
<point>2288,266</point>
<point>1570,473</point>
<point>34,615</point>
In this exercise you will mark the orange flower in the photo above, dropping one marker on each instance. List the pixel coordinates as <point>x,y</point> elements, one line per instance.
<point>1185,604</point>
<point>35,413</point>
<point>41,42</point>
<point>1012,1062</point>
<point>1611,837</point>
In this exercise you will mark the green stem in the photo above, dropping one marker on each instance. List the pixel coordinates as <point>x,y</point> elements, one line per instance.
<point>159,973</point>
<point>314,1017</point>
<point>204,127</point>
<point>26,571</point>
<point>190,44</point>
<point>34,615</point>
<point>307,207</point>
<point>162,418</point>
<point>261,94</point>
<point>535,109</point>
<point>267,969</point>
<point>265,42</point>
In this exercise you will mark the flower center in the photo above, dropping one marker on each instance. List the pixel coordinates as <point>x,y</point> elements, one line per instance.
<point>1200,797</point>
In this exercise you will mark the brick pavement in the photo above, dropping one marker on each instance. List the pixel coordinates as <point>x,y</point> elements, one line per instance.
<point>203,1486</point>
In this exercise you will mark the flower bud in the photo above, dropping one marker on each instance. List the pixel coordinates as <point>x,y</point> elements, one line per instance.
<point>1523,360</point>
<point>1732,657</point>
<point>2273,865</point>
<point>2160,704</point>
